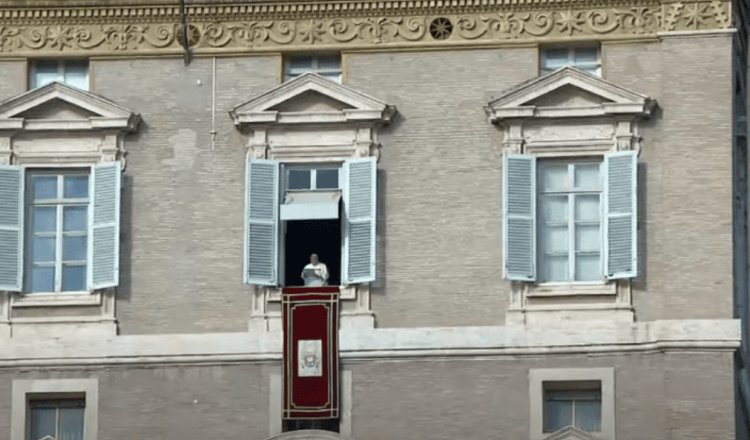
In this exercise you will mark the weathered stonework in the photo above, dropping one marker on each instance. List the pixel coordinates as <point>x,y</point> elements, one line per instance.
<point>273,26</point>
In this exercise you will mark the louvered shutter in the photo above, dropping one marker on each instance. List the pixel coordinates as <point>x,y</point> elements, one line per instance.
<point>620,221</point>
<point>11,228</point>
<point>360,196</point>
<point>519,216</point>
<point>104,226</point>
<point>261,222</point>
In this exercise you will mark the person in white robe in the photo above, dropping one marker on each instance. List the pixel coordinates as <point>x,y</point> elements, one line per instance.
<point>315,273</point>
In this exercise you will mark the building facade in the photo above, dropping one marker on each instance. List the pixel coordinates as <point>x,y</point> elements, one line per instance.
<point>535,213</point>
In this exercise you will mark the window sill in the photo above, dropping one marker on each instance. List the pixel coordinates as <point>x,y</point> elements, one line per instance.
<point>571,289</point>
<point>345,292</point>
<point>58,299</point>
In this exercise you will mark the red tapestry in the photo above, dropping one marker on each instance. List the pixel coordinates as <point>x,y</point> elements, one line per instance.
<point>311,352</point>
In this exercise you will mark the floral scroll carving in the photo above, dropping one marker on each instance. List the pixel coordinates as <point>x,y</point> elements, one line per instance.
<point>135,34</point>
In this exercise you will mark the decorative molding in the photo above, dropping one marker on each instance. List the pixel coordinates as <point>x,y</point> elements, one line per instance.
<point>359,343</point>
<point>139,27</point>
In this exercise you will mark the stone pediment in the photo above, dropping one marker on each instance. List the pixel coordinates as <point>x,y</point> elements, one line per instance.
<point>57,107</point>
<point>570,433</point>
<point>568,92</point>
<point>311,99</point>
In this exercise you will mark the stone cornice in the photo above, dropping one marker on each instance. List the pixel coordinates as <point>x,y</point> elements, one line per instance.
<point>134,27</point>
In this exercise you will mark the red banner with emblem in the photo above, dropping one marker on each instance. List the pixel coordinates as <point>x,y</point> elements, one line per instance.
<point>311,352</point>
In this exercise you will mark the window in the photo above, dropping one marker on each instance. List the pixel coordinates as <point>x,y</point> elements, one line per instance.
<point>328,66</point>
<point>57,216</point>
<point>585,58</point>
<point>312,178</point>
<point>58,409</point>
<point>74,73</point>
<point>569,221</point>
<point>59,419</point>
<point>577,404</point>
<point>572,399</point>
<point>68,239</point>
<point>288,219</point>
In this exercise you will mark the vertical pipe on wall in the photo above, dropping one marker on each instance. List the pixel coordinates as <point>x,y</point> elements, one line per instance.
<point>213,103</point>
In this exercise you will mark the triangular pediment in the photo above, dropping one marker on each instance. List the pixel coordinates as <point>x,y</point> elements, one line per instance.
<point>57,106</point>
<point>570,433</point>
<point>568,92</point>
<point>311,99</point>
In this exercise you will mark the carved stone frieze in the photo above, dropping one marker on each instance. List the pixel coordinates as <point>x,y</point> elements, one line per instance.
<point>275,26</point>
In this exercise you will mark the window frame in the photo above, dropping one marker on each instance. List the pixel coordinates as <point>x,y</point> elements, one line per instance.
<point>571,52</point>
<point>581,387</point>
<point>571,222</point>
<point>314,67</point>
<point>23,391</point>
<point>571,377</point>
<point>62,68</point>
<point>313,168</point>
<point>59,204</point>
<point>60,401</point>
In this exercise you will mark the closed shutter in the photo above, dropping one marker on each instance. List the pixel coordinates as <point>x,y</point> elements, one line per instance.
<point>11,228</point>
<point>519,216</point>
<point>360,196</point>
<point>104,226</point>
<point>261,222</point>
<point>620,221</point>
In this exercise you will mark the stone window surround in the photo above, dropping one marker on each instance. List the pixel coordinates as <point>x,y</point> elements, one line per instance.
<point>537,377</point>
<point>23,388</point>
<point>86,142</point>
<point>569,130</point>
<point>279,132</point>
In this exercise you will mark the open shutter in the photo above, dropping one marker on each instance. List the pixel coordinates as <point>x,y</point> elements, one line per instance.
<point>104,226</point>
<point>360,197</point>
<point>620,221</point>
<point>519,216</point>
<point>261,222</point>
<point>11,228</point>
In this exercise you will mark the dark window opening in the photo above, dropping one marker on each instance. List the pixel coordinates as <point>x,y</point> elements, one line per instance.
<point>323,424</point>
<point>305,237</point>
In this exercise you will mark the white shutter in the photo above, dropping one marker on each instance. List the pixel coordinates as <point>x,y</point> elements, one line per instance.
<point>104,226</point>
<point>519,216</point>
<point>261,222</point>
<point>360,197</point>
<point>620,221</point>
<point>11,228</point>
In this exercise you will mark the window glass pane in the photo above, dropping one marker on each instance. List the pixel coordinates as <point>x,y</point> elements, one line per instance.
<point>74,278</point>
<point>587,176</point>
<point>74,248</point>
<point>588,267</point>
<point>587,208</point>
<point>588,238</point>
<point>554,209</point>
<point>42,279</point>
<point>327,179</point>
<point>588,415</point>
<point>44,72</point>
<point>44,187</point>
<point>43,249</point>
<point>77,74</point>
<point>554,58</point>
<point>299,179</point>
<point>554,239</point>
<point>586,55</point>
<point>336,76</point>
<point>554,177</point>
<point>329,62</point>
<point>44,219</point>
<point>74,218</point>
<point>71,424</point>
<point>76,187</point>
<point>557,415</point>
<point>554,268</point>
<point>299,62</point>
<point>43,422</point>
